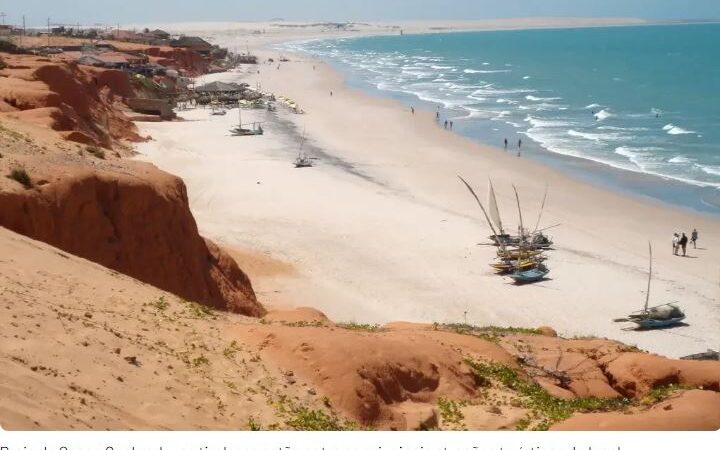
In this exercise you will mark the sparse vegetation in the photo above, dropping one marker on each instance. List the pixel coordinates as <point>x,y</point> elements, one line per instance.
<point>492,334</point>
<point>304,419</point>
<point>200,311</point>
<point>200,361</point>
<point>450,412</point>
<point>95,151</point>
<point>230,351</point>
<point>161,304</point>
<point>20,175</point>
<point>253,425</point>
<point>304,323</point>
<point>360,326</point>
<point>662,393</point>
<point>545,409</point>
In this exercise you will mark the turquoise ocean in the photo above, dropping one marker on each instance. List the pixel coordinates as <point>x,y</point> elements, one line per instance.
<point>635,109</point>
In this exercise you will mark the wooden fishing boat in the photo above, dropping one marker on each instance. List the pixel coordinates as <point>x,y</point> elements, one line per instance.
<point>710,355</point>
<point>661,316</point>
<point>302,160</point>
<point>256,130</point>
<point>505,267</point>
<point>530,275</point>
<point>518,253</point>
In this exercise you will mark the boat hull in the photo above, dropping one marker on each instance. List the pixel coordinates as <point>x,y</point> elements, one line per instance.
<point>655,323</point>
<point>529,276</point>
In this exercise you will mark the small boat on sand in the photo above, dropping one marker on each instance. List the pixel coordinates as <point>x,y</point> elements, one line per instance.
<point>710,355</point>
<point>302,160</point>
<point>661,316</point>
<point>256,130</point>
<point>533,275</point>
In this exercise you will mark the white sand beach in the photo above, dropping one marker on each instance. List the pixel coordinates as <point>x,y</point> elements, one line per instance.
<point>381,229</point>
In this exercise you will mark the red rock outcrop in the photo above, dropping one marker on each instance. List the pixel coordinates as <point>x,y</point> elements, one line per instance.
<point>137,224</point>
<point>385,379</point>
<point>636,374</point>
<point>179,58</point>
<point>687,411</point>
<point>77,101</point>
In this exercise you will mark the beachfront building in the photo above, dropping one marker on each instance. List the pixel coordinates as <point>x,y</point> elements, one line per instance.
<point>222,92</point>
<point>112,60</point>
<point>160,34</point>
<point>193,43</point>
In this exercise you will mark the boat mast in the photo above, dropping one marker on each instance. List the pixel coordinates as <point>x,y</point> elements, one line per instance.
<point>493,205</point>
<point>542,208</point>
<point>522,228</point>
<point>647,297</point>
<point>497,238</point>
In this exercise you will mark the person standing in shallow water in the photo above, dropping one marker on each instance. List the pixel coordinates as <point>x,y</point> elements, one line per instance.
<point>694,238</point>
<point>505,144</point>
<point>446,123</point>
<point>519,146</point>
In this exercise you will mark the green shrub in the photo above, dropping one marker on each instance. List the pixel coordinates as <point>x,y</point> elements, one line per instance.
<point>545,407</point>
<point>492,334</point>
<point>359,326</point>
<point>20,175</point>
<point>305,419</point>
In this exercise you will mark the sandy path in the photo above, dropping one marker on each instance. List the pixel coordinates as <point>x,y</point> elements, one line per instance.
<point>381,230</point>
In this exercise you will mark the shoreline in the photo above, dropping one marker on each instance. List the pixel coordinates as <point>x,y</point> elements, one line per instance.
<point>398,242</point>
<point>661,190</point>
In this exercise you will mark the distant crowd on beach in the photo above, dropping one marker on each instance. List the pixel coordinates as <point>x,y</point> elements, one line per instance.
<point>680,242</point>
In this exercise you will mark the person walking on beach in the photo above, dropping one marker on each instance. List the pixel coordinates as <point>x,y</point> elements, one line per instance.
<point>412,109</point>
<point>505,144</point>
<point>683,244</point>
<point>694,238</point>
<point>451,124</point>
<point>330,93</point>
<point>446,124</point>
<point>676,243</point>
<point>437,116</point>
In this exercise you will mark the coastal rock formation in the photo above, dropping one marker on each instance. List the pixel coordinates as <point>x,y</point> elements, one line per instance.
<point>137,224</point>
<point>77,101</point>
<point>634,375</point>
<point>178,58</point>
<point>687,411</point>
<point>385,380</point>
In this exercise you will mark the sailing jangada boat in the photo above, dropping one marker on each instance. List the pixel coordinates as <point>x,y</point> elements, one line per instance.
<point>524,270</point>
<point>535,240</point>
<point>240,131</point>
<point>302,160</point>
<point>657,316</point>
<point>530,275</point>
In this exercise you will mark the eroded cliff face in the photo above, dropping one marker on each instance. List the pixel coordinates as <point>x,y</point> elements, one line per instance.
<point>81,103</point>
<point>139,225</point>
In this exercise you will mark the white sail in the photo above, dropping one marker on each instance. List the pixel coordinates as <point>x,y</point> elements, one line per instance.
<point>493,208</point>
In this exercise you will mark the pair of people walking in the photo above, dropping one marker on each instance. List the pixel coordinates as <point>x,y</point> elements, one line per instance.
<point>680,241</point>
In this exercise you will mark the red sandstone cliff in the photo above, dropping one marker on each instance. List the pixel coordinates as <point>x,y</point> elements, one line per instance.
<point>137,224</point>
<point>126,216</point>
<point>79,102</point>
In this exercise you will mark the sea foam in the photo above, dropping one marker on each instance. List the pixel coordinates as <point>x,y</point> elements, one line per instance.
<point>675,130</point>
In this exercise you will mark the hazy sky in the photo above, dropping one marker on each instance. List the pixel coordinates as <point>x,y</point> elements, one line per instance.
<point>141,11</point>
